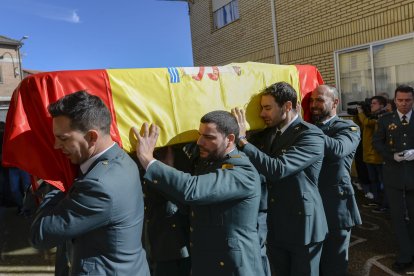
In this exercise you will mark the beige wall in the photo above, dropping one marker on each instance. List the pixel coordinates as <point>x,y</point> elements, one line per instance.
<point>308,31</point>
<point>10,81</point>
<point>246,39</point>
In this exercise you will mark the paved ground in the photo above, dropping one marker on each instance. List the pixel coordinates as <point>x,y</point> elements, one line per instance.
<point>373,244</point>
<point>371,254</point>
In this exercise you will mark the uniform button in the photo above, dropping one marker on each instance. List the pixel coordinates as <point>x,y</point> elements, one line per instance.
<point>155,181</point>
<point>191,229</point>
<point>404,144</point>
<point>272,200</point>
<point>300,213</point>
<point>192,213</point>
<point>405,134</point>
<point>145,208</point>
<point>191,244</point>
<point>341,193</point>
<point>221,263</point>
<point>173,226</point>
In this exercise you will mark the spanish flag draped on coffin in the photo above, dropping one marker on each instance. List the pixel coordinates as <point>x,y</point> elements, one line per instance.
<point>174,98</point>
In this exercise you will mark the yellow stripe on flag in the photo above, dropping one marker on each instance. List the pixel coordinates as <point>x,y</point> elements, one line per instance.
<point>150,95</point>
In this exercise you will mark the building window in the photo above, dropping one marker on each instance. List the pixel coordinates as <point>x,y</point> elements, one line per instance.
<point>376,68</point>
<point>225,12</point>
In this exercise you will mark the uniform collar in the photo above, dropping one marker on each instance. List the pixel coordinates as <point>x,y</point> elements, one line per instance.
<point>327,120</point>
<point>84,167</point>
<point>408,115</point>
<point>288,124</point>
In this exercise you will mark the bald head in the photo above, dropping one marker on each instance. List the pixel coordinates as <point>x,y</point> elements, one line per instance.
<point>323,102</point>
<point>329,91</point>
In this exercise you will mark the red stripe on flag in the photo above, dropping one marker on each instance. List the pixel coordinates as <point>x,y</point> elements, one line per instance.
<point>28,139</point>
<point>309,79</point>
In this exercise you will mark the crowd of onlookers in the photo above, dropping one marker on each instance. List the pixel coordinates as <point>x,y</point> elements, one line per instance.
<point>368,161</point>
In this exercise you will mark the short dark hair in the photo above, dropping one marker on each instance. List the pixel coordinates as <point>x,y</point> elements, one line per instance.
<point>225,121</point>
<point>85,111</point>
<point>382,100</point>
<point>404,88</point>
<point>281,92</point>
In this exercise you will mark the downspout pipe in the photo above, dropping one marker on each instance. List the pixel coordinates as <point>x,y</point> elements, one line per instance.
<point>275,42</point>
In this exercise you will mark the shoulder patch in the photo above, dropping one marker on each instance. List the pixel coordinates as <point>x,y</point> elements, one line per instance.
<point>227,166</point>
<point>303,126</point>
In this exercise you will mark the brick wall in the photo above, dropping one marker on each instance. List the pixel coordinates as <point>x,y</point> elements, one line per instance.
<point>308,31</point>
<point>246,39</point>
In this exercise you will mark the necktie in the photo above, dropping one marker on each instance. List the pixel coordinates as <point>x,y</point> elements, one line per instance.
<point>404,120</point>
<point>275,138</point>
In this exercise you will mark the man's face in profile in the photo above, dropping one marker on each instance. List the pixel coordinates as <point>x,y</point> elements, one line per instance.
<point>271,113</point>
<point>73,143</point>
<point>212,143</point>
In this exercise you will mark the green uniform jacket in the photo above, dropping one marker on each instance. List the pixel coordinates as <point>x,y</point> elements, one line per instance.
<point>341,140</point>
<point>100,217</point>
<point>295,210</point>
<point>224,197</point>
<point>392,137</point>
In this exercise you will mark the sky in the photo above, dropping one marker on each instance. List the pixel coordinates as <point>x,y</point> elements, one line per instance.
<point>98,34</point>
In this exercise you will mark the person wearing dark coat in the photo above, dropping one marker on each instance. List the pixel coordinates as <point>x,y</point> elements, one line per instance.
<point>100,218</point>
<point>341,141</point>
<point>223,194</point>
<point>394,141</point>
<point>290,156</point>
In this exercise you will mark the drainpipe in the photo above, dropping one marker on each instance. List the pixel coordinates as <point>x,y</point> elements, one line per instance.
<point>275,42</point>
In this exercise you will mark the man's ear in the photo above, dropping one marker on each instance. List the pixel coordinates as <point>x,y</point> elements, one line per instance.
<point>92,136</point>
<point>288,106</point>
<point>232,138</point>
<point>335,103</point>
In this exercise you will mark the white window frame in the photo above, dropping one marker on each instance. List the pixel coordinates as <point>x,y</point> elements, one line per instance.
<point>370,47</point>
<point>234,13</point>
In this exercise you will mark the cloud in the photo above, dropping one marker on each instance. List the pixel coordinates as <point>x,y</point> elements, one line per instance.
<point>60,14</point>
<point>45,10</point>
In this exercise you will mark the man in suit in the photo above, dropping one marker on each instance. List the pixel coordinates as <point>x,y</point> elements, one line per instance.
<point>341,141</point>
<point>223,194</point>
<point>394,140</point>
<point>100,218</point>
<point>290,157</point>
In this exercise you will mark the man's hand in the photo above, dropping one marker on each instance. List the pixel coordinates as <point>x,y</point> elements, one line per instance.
<point>409,155</point>
<point>241,121</point>
<point>399,156</point>
<point>147,139</point>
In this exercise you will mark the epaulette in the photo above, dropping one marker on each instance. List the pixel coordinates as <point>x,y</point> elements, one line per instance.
<point>235,156</point>
<point>300,127</point>
<point>99,168</point>
<point>227,166</point>
<point>386,114</point>
<point>354,128</point>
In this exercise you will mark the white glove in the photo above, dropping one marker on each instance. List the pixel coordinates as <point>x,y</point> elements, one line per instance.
<point>399,156</point>
<point>409,155</point>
